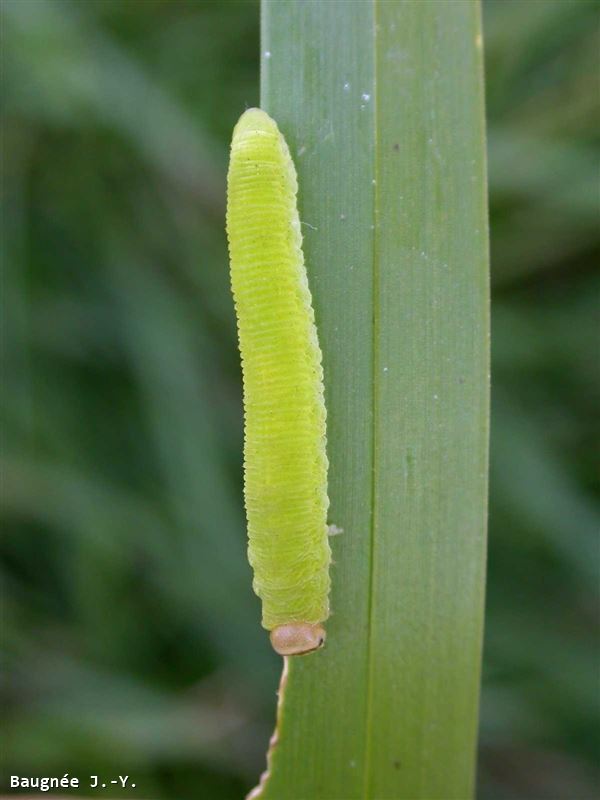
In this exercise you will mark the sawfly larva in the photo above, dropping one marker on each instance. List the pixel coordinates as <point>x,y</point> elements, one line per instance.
<point>285,463</point>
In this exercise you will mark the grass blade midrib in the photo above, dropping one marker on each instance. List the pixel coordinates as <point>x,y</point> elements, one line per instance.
<point>375,431</point>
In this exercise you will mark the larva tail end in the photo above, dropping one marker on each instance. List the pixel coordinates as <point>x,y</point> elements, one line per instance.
<point>253,120</point>
<point>297,638</point>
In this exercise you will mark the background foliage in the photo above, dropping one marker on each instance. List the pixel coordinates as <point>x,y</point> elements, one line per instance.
<point>130,633</point>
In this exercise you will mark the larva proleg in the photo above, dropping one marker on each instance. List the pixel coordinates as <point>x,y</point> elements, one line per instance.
<point>285,463</point>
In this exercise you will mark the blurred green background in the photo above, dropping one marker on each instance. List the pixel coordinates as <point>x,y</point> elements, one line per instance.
<point>130,634</point>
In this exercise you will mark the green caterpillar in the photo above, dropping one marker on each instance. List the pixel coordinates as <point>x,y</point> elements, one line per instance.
<point>285,463</point>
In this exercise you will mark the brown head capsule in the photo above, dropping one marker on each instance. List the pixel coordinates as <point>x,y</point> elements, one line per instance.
<point>297,638</point>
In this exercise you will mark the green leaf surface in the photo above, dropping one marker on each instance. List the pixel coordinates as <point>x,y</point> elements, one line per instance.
<point>382,106</point>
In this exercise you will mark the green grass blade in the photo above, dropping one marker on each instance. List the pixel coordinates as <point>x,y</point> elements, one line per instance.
<point>382,105</point>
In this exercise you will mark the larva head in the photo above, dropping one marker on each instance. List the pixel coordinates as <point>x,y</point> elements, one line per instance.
<point>297,638</point>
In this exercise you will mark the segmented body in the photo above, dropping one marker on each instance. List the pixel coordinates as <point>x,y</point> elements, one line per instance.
<point>285,463</point>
